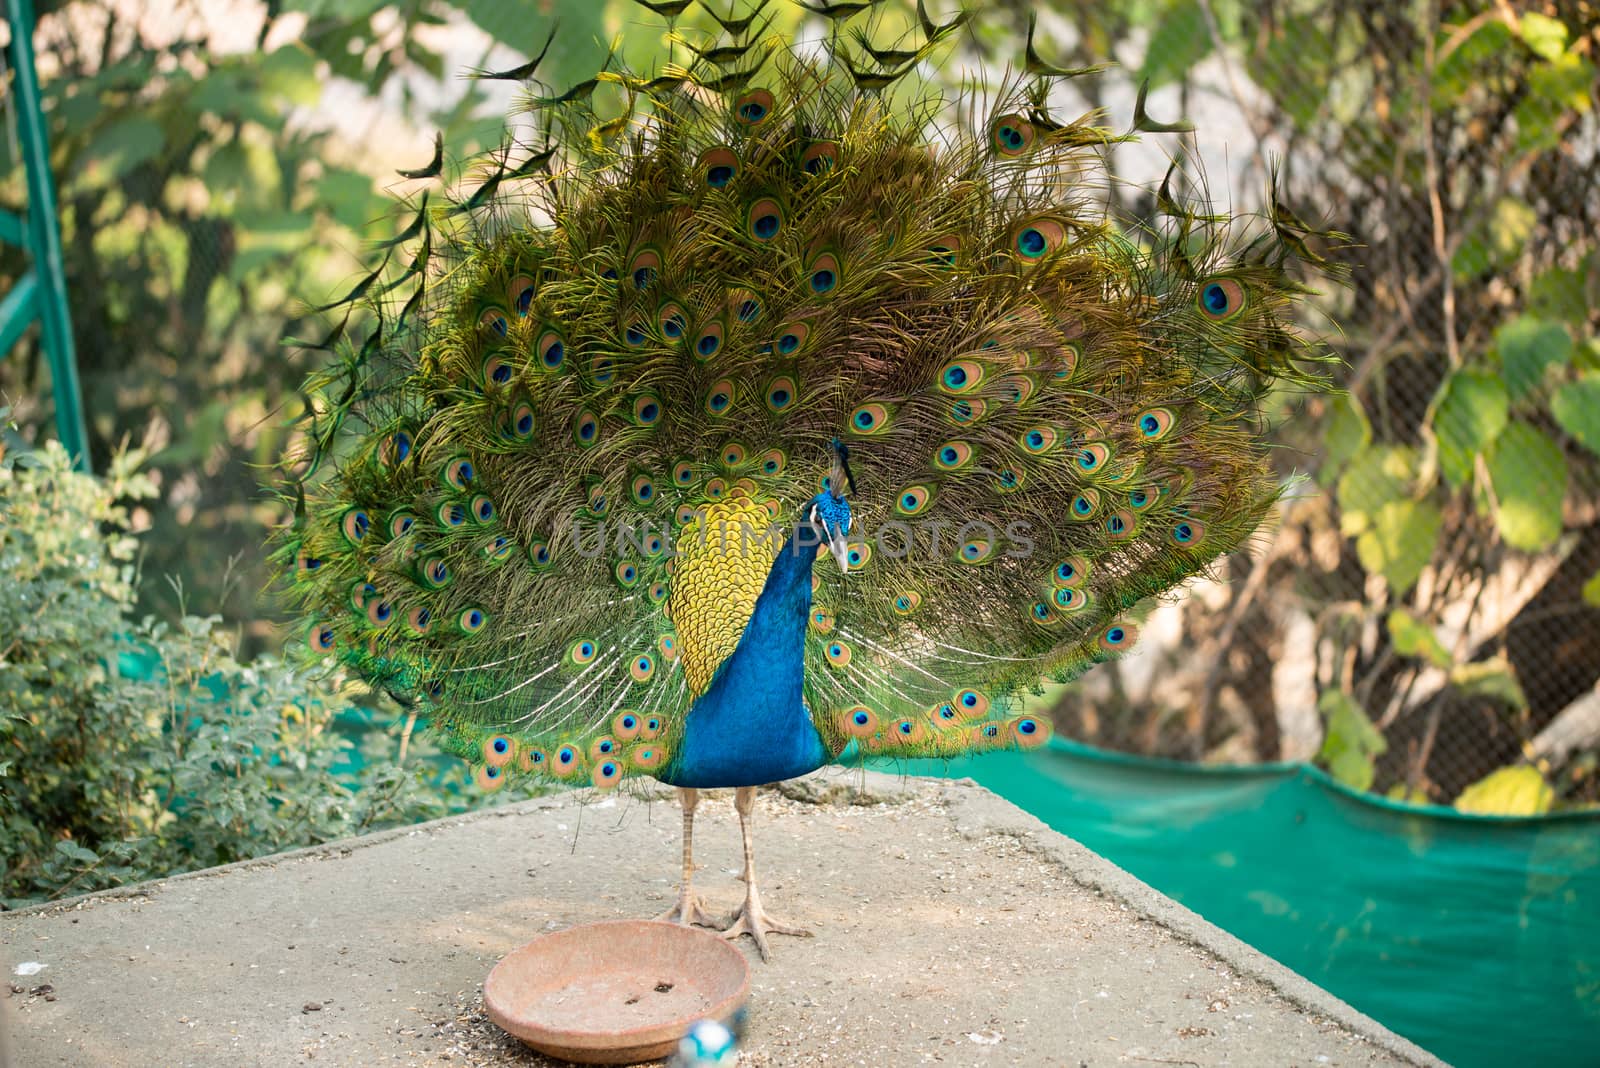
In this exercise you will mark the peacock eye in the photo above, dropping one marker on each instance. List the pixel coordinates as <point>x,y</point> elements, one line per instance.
<point>1221,298</point>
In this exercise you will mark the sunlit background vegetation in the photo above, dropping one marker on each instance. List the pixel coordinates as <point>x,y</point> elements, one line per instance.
<point>1424,621</point>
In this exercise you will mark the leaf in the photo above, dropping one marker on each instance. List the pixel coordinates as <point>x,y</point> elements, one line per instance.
<point>122,145</point>
<point>1351,743</point>
<point>224,93</point>
<point>1400,542</point>
<point>1347,433</point>
<point>1470,413</point>
<point>73,851</point>
<point>579,49</point>
<point>1376,476</point>
<point>1527,346</point>
<point>1492,678</point>
<point>1180,40</point>
<point>1400,792</point>
<point>1545,35</point>
<point>1576,406</point>
<point>1561,85</point>
<point>1558,293</point>
<point>1510,227</point>
<point>1413,637</point>
<point>1511,791</point>
<point>1529,476</point>
<point>1591,590</point>
<point>1462,68</point>
<point>350,196</point>
<point>291,72</point>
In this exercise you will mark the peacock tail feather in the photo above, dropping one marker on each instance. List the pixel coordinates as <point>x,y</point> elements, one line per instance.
<point>540,499</point>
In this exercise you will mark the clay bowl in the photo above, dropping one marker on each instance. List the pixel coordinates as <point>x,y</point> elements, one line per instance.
<point>616,992</point>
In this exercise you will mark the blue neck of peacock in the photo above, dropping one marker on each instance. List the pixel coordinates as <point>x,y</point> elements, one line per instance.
<point>751,726</point>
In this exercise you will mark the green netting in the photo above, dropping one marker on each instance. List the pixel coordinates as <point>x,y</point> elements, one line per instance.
<point>1478,938</point>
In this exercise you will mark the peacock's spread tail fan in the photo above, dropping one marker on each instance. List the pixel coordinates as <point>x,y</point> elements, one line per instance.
<point>542,499</point>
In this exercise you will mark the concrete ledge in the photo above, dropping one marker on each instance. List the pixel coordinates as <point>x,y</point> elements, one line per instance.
<point>951,927</point>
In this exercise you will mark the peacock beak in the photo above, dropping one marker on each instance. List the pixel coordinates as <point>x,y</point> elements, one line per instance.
<point>840,551</point>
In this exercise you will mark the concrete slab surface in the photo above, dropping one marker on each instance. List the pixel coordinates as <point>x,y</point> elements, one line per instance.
<point>951,928</point>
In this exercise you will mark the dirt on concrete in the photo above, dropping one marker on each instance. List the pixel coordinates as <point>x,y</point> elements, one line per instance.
<point>951,928</point>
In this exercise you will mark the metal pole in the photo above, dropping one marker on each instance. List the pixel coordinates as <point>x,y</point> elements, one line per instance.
<point>55,323</point>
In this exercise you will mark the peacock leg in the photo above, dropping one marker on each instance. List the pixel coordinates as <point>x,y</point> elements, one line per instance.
<point>689,910</point>
<point>752,919</point>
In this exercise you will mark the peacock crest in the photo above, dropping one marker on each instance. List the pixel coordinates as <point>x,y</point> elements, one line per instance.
<point>603,384</point>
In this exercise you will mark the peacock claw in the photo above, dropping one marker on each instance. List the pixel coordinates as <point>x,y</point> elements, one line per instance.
<point>690,911</point>
<point>751,919</point>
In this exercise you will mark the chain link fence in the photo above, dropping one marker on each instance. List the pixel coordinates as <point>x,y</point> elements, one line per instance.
<point>1427,610</point>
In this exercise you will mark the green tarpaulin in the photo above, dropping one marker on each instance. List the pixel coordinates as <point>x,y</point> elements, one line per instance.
<point>1478,938</point>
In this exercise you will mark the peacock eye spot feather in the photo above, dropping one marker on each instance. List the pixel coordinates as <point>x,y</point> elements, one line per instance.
<point>1155,424</point>
<point>1221,298</point>
<point>719,398</point>
<point>708,345</point>
<point>552,351</point>
<point>748,311</point>
<point>522,296</point>
<point>495,321</point>
<point>643,277</point>
<point>822,281</point>
<point>766,226</point>
<point>1031,242</point>
<point>634,336</point>
<point>719,176</point>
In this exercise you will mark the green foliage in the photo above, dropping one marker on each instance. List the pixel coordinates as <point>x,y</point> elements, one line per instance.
<point>1512,791</point>
<point>1527,348</point>
<point>1493,679</point>
<point>1350,743</point>
<point>1412,637</point>
<point>1471,411</point>
<point>111,773</point>
<point>1348,433</point>
<point>1576,406</point>
<point>204,206</point>
<point>1529,475</point>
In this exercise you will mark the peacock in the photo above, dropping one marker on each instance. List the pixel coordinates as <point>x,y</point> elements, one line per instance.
<point>768,409</point>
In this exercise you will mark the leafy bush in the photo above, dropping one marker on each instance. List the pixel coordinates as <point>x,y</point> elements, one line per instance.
<point>130,750</point>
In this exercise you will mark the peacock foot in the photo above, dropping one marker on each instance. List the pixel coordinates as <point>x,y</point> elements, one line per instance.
<point>691,912</point>
<point>751,919</point>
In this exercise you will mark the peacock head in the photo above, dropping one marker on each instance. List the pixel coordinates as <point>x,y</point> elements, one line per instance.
<point>828,517</point>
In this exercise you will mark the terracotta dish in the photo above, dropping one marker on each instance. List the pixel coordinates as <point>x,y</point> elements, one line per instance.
<point>617,992</point>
